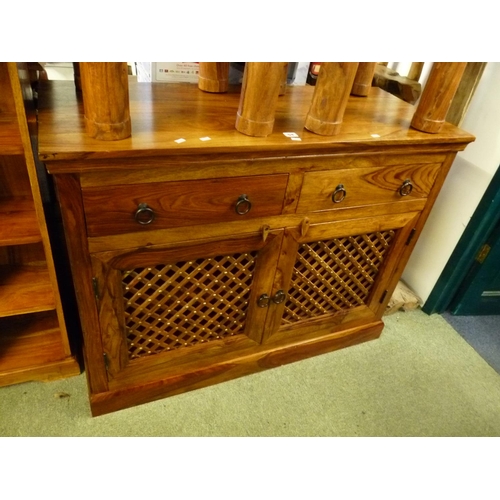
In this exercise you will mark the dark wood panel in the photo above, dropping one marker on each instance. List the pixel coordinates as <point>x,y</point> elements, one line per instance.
<point>162,114</point>
<point>111,210</point>
<point>263,359</point>
<point>366,186</point>
<point>25,289</point>
<point>31,348</point>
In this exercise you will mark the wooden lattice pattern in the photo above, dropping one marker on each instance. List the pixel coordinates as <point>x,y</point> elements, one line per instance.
<point>179,305</point>
<point>334,275</point>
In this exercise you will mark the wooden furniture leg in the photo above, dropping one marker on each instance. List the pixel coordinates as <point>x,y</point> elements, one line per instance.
<point>213,77</point>
<point>363,79</point>
<point>438,93</point>
<point>259,96</point>
<point>106,100</point>
<point>330,97</point>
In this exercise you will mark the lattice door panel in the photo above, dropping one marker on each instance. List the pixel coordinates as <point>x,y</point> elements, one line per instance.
<point>179,305</point>
<point>335,275</point>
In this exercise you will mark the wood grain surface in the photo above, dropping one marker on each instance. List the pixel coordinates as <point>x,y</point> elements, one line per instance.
<point>25,289</point>
<point>161,114</point>
<point>106,100</point>
<point>213,76</point>
<point>363,79</point>
<point>442,83</point>
<point>259,96</point>
<point>110,210</point>
<point>331,93</point>
<point>266,358</point>
<point>366,186</point>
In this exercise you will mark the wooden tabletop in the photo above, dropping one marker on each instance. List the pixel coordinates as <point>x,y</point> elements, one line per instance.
<point>163,113</point>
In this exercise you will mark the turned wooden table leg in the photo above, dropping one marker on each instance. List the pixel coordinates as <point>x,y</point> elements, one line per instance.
<point>415,71</point>
<point>363,79</point>
<point>284,79</point>
<point>330,97</point>
<point>213,76</point>
<point>259,96</point>
<point>437,95</point>
<point>106,100</point>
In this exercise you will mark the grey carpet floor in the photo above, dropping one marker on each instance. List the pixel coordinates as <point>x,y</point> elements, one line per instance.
<point>421,378</point>
<point>482,333</point>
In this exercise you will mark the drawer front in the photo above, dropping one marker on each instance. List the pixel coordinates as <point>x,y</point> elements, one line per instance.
<point>161,205</point>
<point>365,186</point>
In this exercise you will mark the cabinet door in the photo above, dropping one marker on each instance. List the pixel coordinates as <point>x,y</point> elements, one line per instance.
<point>336,273</point>
<point>163,310</point>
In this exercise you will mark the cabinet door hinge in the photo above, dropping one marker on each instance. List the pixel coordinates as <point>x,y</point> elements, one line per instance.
<point>95,286</point>
<point>382,298</point>
<point>483,253</point>
<point>411,235</point>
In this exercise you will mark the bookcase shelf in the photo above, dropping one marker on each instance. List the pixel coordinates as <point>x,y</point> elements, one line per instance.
<point>34,342</point>
<point>30,348</point>
<point>25,289</point>
<point>19,222</point>
<point>10,138</point>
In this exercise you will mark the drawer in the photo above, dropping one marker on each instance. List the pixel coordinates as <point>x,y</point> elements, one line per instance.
<point>161,205</point>
<point>356,187</point>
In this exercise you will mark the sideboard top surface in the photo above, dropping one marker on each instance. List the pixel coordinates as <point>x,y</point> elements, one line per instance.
<point>163,113</point>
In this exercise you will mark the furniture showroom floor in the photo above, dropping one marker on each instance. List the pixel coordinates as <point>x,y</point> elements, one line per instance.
<point>421,378</point>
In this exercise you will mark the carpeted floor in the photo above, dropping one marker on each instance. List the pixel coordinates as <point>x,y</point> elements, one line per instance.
<point>480,332</point>
<point>421,378</point>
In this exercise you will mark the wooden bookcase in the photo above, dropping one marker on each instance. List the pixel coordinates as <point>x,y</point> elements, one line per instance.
<point>33,337</point>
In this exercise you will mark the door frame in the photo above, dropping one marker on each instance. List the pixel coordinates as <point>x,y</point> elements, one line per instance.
<point>469,300</point>
<point>476,234</point>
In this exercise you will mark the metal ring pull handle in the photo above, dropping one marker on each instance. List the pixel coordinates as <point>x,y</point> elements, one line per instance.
<point>279,297</point>
<point>243,205</point>
<point>144,214</point>
<point>263,300</point>
<point>339,194</point>
<point>406,188</point>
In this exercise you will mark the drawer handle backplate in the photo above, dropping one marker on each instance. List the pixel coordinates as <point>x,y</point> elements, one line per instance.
<point>339,194</point>
<point>144,214</point>
<point>263,300</point>
<point>243,205</point>
<point>406,188</point>
<point>279,297</point>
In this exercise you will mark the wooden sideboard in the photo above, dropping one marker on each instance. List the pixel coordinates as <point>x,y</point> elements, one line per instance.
<point>200,254</point>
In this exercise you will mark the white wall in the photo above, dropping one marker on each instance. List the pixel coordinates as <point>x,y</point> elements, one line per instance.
<point>64,70</point>
<point>59,70</point>
<point>463,189</point>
